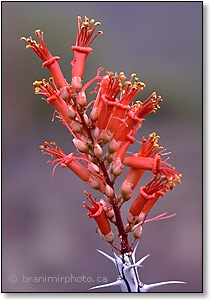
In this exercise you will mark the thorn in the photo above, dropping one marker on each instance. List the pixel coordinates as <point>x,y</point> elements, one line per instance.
<point>147,287</point>
<point>117,282</point>
<point>106,255</point>
<point>143,259</point>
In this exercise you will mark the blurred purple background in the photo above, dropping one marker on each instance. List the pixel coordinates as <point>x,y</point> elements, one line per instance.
<point>45,228</point>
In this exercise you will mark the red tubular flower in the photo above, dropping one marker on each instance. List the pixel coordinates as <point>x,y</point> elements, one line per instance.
<point>149,149</point>
<point>126,143</point>
<point>135,115</point>
<point>71,162</point>
<point>128,92</point>
<point>148,196</point>
<point>151,104</point>
<point>82,49</point>
<point>53,97</point>
<point>49,61</point>
<point>110,87</point>
<point>154,164</point>
<point>138,205</point>
<point>146,163</point>
<point>97,212</point>
<point>65,160</point>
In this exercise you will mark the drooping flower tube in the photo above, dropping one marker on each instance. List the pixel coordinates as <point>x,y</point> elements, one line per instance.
<point>49,61</point>
<point>154,164</point>
<point>71,162</point>
<point>149,148</point>
<point>110,87</point>
<point>148,195</point>
<point>98,214</point>
<point>135,115</point>
<point>49,90</point>
<point>128,91</point>
<point>81,49</point>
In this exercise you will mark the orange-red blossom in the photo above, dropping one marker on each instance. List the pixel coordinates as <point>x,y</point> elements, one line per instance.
<point>114,119</point>
<point>98,214</point>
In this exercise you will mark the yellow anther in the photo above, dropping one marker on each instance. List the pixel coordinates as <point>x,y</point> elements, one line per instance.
<point>142,84</point>
<point>128,83</point>
<point>92,21</point>
<point>29,47</point>
<point>36,83</point>
<point>37,90</point>
<point>97,23</point>
<point>37,32</point>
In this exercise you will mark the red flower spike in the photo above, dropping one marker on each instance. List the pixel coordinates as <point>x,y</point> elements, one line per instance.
<point>82,49</point>
<point>49,61</point>
<point>97,212</point>
<point>113,119</point>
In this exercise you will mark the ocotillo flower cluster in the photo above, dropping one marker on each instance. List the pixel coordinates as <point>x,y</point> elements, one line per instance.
<point>102,131</point>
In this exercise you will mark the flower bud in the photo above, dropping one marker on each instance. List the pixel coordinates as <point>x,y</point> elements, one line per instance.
<point>71,112</point>
<point>110,158</point>
<point>113,146</point>
<point>86,118</point>
<point>109,212</point>
<point>117,167</point>
<point>76,83</point>
<point>141,217</point>
<point>94,114</point>
<point>137,232</point>
<point>93,168</point>
<point>64,92</point>
<point>126,190</point>
<point>109,191</point>
<point>81,146</point>
<point>105,136</point>
<point>82,101</point>
<point>93,182</point>
<point>109,237</point>
<point>131,219</point>
<point>97,151</point>
<point>96,133</point>
<point>76,127</point>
